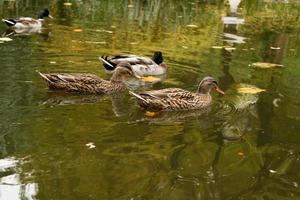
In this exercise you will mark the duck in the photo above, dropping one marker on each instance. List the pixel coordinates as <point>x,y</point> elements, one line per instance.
<point>141,65</point>
<point>28,22</point>
<point>90,83</point>
<point>177,99</point>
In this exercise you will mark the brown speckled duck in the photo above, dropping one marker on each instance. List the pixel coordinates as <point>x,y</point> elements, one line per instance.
<point>171,99</point>
<point>90,83</point>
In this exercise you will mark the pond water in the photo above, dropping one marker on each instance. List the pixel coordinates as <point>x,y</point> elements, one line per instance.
<point>66,146</point>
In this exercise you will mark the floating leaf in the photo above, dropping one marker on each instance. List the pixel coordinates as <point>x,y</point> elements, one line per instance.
<point>192,25</point>
<point>150,114</point>
<point>90,145</point>
<point>249,89</point>
<point>241,154</point>
<point>265,65</point>
<point>223,47</point>
<point>5,39</point>
<point>275,102</point>
<point>67,4</point>
<point>77,30</point>
<point>275,48</point>
<point>150,78</point>
<point>229,48</point>
<point>92,42</point>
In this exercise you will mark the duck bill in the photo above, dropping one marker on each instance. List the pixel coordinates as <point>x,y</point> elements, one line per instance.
<point>137,76</point>
<point>50,17</point>
<point>219,90</point>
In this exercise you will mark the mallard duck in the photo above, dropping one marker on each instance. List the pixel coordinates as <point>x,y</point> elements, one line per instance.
<point>141,65</point>
<point>178,99</point>
<point>90,83</point>
<point>28,22</point>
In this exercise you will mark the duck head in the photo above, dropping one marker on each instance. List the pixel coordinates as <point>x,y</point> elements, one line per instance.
<point>122,72</point>
<point>45,13</point>
<point>158,58</point>
<point>207,84</point>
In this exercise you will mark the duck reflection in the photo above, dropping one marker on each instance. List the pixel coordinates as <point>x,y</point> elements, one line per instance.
<point>118,101</point>
<point>44,34</point>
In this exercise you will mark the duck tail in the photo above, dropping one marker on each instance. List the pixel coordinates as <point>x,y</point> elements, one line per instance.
<point>157,57</point>
<point>137,96</point>
<point>44,77</point>
<point>107,65</point>
<point>9,22</point>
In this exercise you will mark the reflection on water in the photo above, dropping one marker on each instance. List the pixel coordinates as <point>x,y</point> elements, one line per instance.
<point>11,186</point>
<point>243,138</point>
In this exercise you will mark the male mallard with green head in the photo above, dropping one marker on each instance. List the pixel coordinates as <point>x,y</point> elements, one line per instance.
<point>171,99</point>
<point>90,83</point>
<point>141,65</point>
<point>28,22</point>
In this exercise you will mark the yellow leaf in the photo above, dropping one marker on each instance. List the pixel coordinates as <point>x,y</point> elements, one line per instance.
<point>67,4</point>
<point>77,30</point>
<point>192,25</point>
<point>264,65</point>
<point>275,48</point>
<point>5,39</point>
<point>150,78</point>
<point>150,114</point>
<point>249,89</point>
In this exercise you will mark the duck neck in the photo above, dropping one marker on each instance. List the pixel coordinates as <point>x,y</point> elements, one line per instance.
<point>202,90</point>
<point>116,78</point>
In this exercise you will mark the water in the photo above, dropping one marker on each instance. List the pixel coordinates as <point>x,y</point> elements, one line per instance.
<point>63,146</point>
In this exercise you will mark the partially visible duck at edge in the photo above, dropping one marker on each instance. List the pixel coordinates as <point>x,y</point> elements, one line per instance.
<point>28,22</point>
<point>90,83</point>
<point>173,99</point>
<point>141,65</point>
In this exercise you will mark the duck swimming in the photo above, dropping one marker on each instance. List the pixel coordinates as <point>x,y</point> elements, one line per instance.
<point>141,65</point>
<point>174,99</point>
<point>28,22</point>
<point>90,83</point>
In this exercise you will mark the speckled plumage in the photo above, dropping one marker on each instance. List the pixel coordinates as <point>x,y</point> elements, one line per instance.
<point>178,99</point>
<point>89,83</point>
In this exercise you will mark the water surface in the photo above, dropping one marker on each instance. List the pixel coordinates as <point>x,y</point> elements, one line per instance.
<point>246,146</point>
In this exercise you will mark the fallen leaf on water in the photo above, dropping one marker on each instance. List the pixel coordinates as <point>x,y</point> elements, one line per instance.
<point>77,30</point>
<point>150,114</point>
<point>275,102</point>
<point>249,89</point>
<point>5,39</point>
<point>241,154</point>
<point>67,4</point>
<point>223,47</point>
<point>150,78</point>
<point>91,42</point>
<point>90,145</point>
<point>192,26</point>
<point>229,48</point>
<point>265,65</point>
<point>275,48</point>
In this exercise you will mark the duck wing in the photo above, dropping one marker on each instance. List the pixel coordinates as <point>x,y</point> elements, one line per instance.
<point>170,93</point>
<point>72,78</point>
<point>111,62</point>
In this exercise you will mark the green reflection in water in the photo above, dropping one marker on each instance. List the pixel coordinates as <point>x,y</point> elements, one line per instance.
<point>244,147</point>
